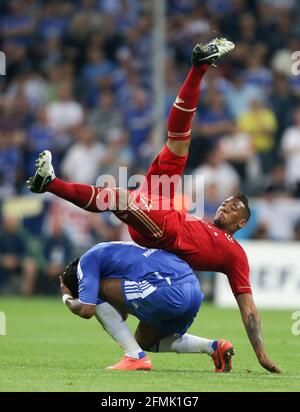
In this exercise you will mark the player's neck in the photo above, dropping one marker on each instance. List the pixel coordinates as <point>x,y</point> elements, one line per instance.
<point>224,229</point>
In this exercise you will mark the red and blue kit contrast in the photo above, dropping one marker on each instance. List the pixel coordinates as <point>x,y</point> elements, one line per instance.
<point>202,245</point>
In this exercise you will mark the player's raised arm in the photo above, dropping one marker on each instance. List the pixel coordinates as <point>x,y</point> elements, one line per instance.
<point>251,320</point>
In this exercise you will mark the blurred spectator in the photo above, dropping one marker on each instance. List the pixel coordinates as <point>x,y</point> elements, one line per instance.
<point>18,25</point>
<point>240,152</point>
<point>96,73</point>
<point>86,20</point>
<point>15,115</point>
<point>52,21</point>
<point>10,163</point>
<point>291,151</point>
<point>40,137</point>
<point>138,121</point>
<point>105,116</point>
<point>31,86</point>
<point>248,32</point>
<point>239,95</point>
<point>281,5</point>
<point>276,182</point>
<point>212,122</point>
<point>256,73</point>
<point>216,171</point>
<point>118,154</point>
<point>51,52</point>
<point>260,123</point>
<point>15,261</point>
<point>57,75</point>
<point>283,102</point>
<point>277,216</point>
<point>65,113</point>
<point>82,161</point>
<point>215,120</point>
<point>76,223</point>
<point>18,60</point>
<point>57,250</point>
<point>281,34</point>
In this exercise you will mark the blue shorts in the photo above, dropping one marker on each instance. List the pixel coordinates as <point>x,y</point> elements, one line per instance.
<point>169,308</point>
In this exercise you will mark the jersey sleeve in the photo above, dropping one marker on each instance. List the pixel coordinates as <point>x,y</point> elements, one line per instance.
<point>239,274</point>
<point>88,273</point>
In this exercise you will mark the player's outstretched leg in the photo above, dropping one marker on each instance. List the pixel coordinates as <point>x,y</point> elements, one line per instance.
<point>95,199</point>
<point>220,350</point>
<point>150,339</point>
<point>87,197</point>
<point>184,108</point>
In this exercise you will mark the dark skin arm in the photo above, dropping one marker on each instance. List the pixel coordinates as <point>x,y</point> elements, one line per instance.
<point>81,309</point>
<point>251,320</point>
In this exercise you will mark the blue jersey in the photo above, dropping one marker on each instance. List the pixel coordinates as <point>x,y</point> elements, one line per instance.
<point>149,268</point>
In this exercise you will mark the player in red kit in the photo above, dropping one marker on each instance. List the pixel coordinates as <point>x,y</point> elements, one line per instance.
<point>204,246</point>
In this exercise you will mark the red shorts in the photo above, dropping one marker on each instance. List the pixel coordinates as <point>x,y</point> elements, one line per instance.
<point>150,215</point>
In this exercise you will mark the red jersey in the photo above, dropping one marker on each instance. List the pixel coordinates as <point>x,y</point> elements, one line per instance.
<point>203,246</point>
<point>207,248</point>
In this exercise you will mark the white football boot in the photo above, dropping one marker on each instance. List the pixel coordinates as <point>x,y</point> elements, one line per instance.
<point>44,173</point>
<point>210,52</point>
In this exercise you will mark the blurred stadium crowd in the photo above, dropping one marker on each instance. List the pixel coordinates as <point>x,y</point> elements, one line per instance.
<point>79,83</point>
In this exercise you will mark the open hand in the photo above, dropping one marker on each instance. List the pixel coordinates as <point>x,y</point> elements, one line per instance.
<point>269,365</point>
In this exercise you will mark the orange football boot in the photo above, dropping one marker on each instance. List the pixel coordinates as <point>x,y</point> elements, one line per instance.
<point>222,356</point>
<point>132,364</point>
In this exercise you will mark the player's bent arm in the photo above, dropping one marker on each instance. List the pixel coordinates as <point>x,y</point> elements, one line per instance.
<point>251,320</point>
<point>83,310</point>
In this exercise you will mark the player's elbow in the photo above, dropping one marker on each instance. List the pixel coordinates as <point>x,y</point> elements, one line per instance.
<point>87,311</point>
<point>246,303</point>
<point>86,315</point>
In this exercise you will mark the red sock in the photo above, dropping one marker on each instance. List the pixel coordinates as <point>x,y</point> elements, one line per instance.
<point>87,197</point>
<point>83,196</point>
<point>183,110</point>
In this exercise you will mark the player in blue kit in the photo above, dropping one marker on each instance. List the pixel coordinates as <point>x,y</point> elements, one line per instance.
<point>156,286</point>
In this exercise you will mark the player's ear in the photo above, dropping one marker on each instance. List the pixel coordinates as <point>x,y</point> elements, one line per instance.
<point>242,223</point>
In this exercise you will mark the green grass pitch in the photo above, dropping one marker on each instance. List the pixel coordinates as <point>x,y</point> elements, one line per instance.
<point>46,348</point>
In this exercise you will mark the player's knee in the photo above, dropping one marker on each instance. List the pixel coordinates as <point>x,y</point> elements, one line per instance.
<point>179,147</point>
<point>112,199</point>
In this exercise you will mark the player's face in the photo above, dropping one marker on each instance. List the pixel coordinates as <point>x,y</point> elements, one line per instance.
<point>229,215</point>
